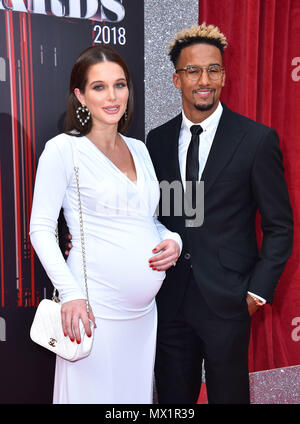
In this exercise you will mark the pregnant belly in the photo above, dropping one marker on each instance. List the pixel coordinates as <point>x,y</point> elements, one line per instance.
<point>121,283</point>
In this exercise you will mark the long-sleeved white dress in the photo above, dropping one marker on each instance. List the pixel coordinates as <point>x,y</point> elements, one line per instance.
<point>120,232</point>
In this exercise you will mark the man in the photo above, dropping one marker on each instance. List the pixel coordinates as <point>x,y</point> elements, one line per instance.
<point>206,302</point>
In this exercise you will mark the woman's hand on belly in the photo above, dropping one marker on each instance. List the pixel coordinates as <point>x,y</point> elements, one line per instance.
<point>71,312</point>
<point>168,253</point>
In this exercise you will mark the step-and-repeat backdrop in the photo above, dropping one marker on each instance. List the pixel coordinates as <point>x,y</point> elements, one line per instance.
<point>39,42</point>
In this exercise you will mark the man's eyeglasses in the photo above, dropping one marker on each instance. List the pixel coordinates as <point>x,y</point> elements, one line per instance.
<point>194,72</point>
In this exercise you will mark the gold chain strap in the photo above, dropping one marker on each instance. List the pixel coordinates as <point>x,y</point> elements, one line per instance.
<point>54,295</point>
<point>82,240</point>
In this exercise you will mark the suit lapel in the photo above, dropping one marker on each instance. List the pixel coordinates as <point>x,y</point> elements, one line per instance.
<point>227,139</point>
<point>173,133</point>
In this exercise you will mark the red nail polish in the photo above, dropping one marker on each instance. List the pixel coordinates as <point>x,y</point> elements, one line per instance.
<point>72,340</point>
<point>78,341</point>
<point>154,269</point>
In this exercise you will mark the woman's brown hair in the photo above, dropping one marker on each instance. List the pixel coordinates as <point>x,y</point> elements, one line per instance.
<point>89,57</point>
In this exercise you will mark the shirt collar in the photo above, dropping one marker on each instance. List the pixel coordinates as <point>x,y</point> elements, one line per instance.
<point>211,122</point>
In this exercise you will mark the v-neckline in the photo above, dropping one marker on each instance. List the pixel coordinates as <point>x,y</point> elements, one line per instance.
<point>135,183</point>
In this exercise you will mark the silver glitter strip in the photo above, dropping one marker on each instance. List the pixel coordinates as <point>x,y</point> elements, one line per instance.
<point>163,19</point>
<point>276,386</point>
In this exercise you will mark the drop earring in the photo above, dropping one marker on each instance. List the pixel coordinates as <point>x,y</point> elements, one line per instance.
<point>83,114</point>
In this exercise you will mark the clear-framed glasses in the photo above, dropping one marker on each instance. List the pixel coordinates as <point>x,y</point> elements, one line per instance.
<point>194,72</point>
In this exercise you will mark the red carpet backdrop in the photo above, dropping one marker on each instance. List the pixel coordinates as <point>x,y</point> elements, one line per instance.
<point>263,82</point>
<point>39,42</point>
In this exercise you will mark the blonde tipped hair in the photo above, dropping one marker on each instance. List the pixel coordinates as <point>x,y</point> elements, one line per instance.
<point>197,34</point>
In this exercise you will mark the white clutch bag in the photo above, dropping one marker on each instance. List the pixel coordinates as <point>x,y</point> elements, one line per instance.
<point>46,329</point>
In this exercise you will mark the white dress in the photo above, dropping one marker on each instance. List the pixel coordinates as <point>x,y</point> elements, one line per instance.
<point>120,232</point>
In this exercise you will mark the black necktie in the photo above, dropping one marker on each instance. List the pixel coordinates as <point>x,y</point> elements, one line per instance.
<point>192,160</point>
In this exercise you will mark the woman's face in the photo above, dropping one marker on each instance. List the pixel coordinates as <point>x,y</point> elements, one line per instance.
<point>106,93</point>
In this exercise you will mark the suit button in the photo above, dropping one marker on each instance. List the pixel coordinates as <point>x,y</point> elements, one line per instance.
<point>187,256</point>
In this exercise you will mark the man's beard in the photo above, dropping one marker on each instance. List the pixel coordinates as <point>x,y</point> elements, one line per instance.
<point>204,107</point>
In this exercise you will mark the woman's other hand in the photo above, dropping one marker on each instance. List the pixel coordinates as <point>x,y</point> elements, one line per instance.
<point>168,251</point>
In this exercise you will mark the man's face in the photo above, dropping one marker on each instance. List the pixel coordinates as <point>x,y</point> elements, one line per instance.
<point>200,98</point>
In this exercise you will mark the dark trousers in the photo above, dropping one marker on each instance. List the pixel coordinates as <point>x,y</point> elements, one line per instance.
<point>195,335</point>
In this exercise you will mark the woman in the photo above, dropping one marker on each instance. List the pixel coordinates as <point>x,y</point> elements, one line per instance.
<point>119,194</point>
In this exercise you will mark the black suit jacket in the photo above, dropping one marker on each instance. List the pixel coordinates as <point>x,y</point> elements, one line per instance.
<point>243,174</point>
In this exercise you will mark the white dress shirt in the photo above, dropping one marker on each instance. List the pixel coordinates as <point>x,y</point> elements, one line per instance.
<point>209,126</point>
